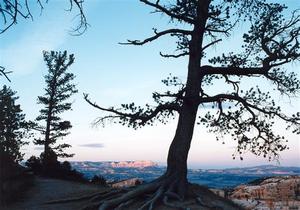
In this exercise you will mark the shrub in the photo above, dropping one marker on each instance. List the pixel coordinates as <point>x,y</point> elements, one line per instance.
<point>34,164</point>
<point>98,179</point>
<point>54,169</point>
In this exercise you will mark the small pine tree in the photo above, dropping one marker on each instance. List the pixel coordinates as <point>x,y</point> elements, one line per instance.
<point>59,88</point>
<point>13,127</point>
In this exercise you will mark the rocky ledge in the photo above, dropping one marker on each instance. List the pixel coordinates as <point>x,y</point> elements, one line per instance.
<point>271,193</point>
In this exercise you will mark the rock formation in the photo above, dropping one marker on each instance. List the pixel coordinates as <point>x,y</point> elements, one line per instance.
<point>133,164</point>
<point>273,193</point>
<point>126,183</point>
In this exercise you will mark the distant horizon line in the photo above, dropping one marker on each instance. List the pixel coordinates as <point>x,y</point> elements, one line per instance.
<point>164,164</point>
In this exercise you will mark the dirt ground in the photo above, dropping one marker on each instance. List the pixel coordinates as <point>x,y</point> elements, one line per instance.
<point>45,190</point>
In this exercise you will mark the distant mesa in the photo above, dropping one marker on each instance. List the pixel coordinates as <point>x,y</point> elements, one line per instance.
<point>133,164</point>
<point>116,164</point>
<point>258,170</point>
<point>147,170</point>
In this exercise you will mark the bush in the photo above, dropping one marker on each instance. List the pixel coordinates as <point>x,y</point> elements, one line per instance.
<point>34,164</point>
<point>54,169</point>
<point>99,180</point>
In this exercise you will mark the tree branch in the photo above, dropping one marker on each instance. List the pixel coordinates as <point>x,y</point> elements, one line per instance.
<point>250,123</point>
<point>138,116</point>
<point>164,10</point>
<point>238,71</point>
<point>10,10</point>
<point>278,41</point>
<point>211,44</point>
<point>4,73</point>
<point>248,106</point>
<point>156,36</point>
<point>173,55</point>
<point>83,25</point>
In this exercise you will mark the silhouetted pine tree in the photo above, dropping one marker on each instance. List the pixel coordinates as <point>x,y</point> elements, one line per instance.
<point>59,88</point>
<point>12,126</point>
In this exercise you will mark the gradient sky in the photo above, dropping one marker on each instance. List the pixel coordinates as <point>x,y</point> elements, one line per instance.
<point>114,74</point>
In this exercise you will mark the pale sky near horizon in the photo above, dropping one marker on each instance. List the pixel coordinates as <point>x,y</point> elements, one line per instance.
<point>113,74</point>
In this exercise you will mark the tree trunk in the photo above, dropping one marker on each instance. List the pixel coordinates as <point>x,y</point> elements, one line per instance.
<point>47,138</point>
<point>179,149</point>
<point>47,158</point>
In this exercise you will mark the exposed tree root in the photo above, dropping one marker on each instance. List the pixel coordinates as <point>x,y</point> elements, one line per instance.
<point>121,201</point>
<point>170,191</point>
<point>85,197</point>
<point>167,190</point>
<point>91,197</point>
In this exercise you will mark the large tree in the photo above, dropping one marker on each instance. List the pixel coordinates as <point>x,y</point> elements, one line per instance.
<point>13,127</point>
<point>59,88</point>
<point>246,115</point>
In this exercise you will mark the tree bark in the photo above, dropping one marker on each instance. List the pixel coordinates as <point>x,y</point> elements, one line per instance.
<point>47,137</point>
<point>47,158</point>
<point>179,148</point>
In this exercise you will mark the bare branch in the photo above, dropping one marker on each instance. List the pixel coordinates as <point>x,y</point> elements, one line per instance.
<point>164,10</point>
<point>83,25</point>
<point>211,44</point>
<point>156,36</point>
<point>4,73</point>
<point>211,30</point>
<point>11,10</point>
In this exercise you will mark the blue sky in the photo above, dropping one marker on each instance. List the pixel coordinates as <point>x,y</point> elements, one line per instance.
<point>114,74</point>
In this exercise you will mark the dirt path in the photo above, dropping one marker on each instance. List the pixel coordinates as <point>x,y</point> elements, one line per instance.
<point>52,189</point>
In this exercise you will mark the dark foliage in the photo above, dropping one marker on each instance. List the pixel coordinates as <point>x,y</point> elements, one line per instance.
<point>14,180</point>
<point>99,180</point>
<point>59,89</point>
<point>54,169</point>
<point>34,164</point>
<point>13,127</point>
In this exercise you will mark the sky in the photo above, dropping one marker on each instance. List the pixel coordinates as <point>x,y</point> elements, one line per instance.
<point>113,74</point>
